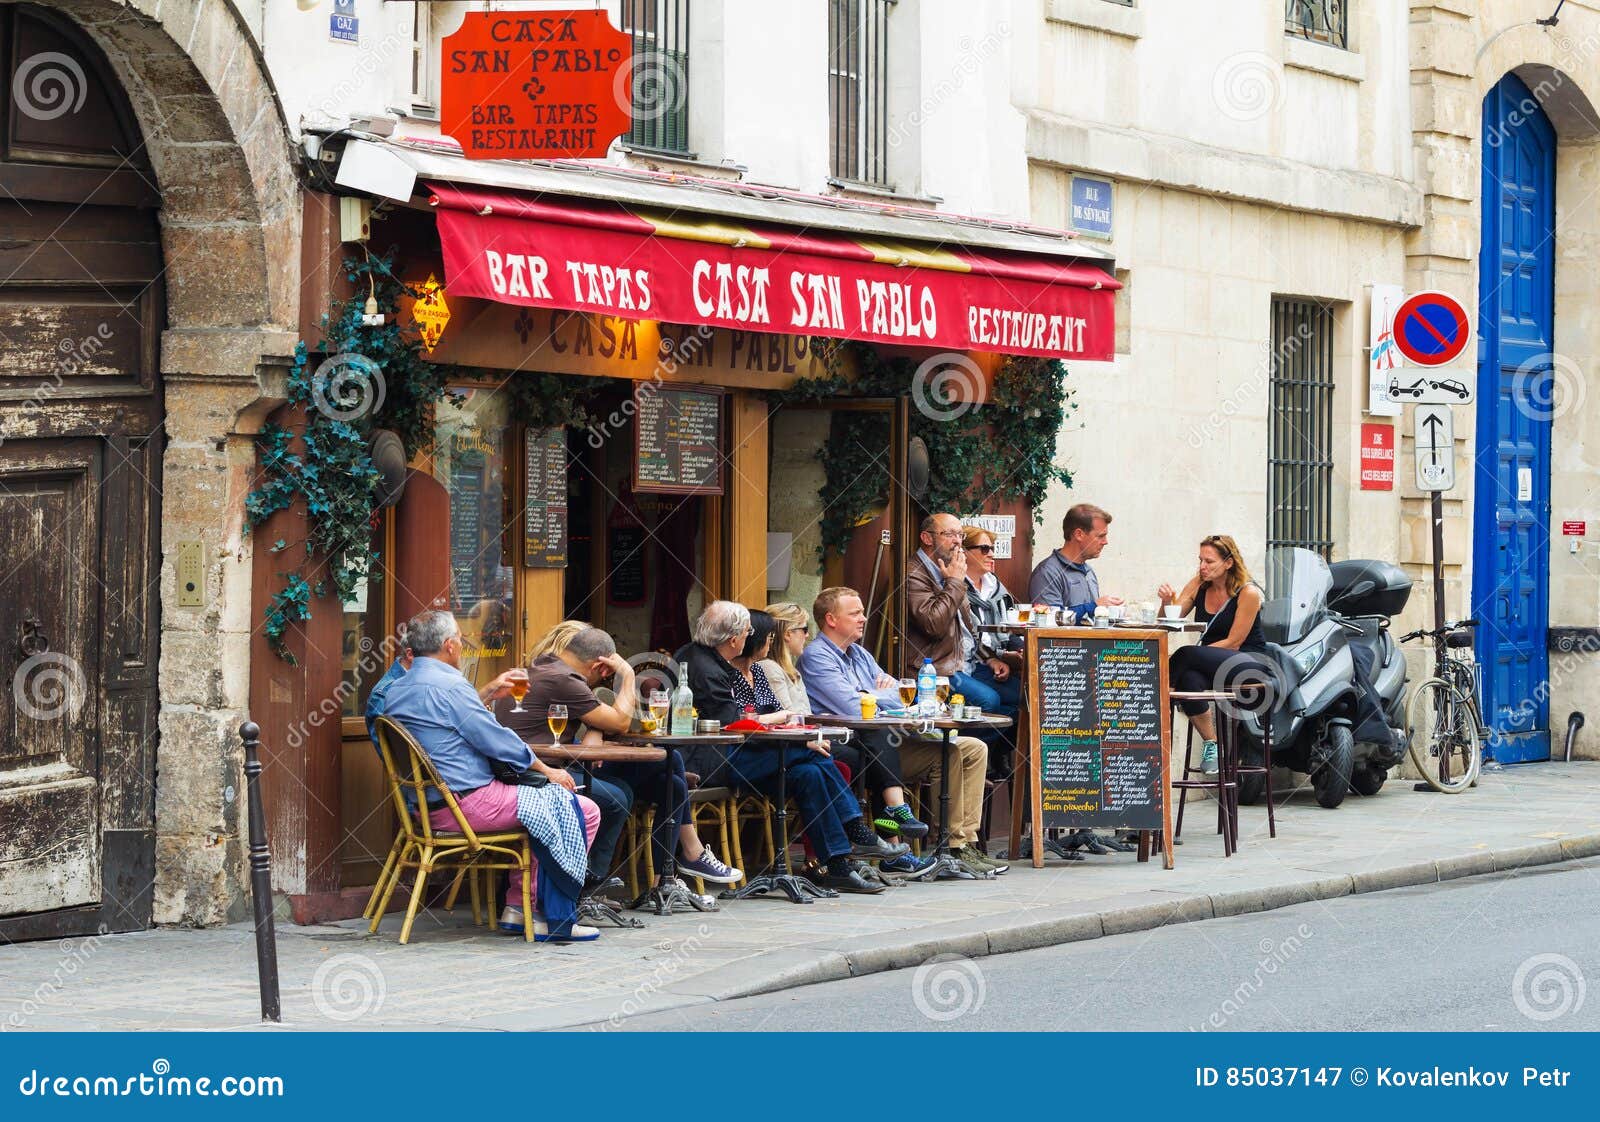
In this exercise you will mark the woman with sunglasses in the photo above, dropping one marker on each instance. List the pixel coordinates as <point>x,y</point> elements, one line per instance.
<point>792,627</point>
<point>994,664</point>
<point>1232,649</point>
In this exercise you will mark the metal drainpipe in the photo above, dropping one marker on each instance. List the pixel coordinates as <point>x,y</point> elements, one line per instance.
<point>1574,723</point>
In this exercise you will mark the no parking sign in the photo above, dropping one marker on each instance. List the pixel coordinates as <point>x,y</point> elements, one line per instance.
<point>1431,328</point>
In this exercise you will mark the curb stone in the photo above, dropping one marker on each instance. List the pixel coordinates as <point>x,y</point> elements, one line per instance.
<point>1057,925</point>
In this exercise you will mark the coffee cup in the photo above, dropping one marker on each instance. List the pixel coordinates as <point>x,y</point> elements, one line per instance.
<point>1172,612</point>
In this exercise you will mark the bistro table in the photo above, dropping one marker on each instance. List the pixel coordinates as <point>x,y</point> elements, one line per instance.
<point>669,894</point>
<point>1019,807</point>
<point>585,756</point>
<point>945,865</point>
<point>780,877</point>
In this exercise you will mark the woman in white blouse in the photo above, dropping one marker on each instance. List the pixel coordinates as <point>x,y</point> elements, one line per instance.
<point>793,628</point>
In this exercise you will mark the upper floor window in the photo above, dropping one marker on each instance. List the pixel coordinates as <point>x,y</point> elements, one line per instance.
<point>1323,21</point>
<point>421,56</point>
<point>858,90</point>
<point>660,30</point>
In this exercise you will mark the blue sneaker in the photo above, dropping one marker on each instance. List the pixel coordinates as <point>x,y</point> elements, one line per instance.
<point>909,865</point>
<point>906,821</point>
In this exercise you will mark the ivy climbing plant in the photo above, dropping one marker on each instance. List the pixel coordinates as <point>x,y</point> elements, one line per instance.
<point>1005,447</point>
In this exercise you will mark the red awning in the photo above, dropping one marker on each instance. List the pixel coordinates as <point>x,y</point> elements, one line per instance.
<point>637,264</point>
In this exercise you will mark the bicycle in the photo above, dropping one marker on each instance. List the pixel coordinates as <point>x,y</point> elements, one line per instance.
<point>1444,724</point>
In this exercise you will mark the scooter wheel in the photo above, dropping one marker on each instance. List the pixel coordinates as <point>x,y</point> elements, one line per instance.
<point>1368,780</point>
<point>1331,778</point>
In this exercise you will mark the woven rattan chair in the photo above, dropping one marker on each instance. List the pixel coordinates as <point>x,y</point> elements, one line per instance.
<point>420,846</point>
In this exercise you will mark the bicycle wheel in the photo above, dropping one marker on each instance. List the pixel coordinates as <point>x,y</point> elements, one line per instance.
<point>1444,738</point>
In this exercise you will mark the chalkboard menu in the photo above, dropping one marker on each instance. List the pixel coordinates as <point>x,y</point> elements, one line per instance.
<point>466,535</point>
<point>677,442</point>
<point>1100,728</point>
<point>544,509</point>
<point>625,546</point>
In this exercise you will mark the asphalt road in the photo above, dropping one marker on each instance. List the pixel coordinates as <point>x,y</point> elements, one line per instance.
<point>1509,952</point>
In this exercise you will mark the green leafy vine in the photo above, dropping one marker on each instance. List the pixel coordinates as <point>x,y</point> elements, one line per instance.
<point>1005,447</point>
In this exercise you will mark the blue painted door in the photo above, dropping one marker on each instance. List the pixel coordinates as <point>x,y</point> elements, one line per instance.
<point>1511,479</point>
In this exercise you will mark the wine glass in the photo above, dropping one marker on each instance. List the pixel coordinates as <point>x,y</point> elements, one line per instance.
<point>557,720</point>
<point>908,692</point>
<point>519,690</point>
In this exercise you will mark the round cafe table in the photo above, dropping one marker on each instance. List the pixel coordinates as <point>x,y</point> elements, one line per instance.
<point>669,894</point>
<point>946,866</point>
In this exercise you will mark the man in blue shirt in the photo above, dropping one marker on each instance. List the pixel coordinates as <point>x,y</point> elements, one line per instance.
<point>434,702</point>
<point>1065,579</point>
<point>837,670</point>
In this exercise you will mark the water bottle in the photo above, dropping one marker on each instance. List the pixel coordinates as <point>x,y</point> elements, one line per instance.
<point>683,704</point>
<point>927,688</point>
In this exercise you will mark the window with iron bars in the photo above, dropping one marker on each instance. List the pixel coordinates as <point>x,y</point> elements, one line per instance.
<point>1300,428</point>
<point>858,90</point>
<point>1322,21</point>
<point>660,31</point>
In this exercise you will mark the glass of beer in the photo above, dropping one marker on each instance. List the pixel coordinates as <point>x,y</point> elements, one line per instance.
<point>1024,611</point>
<point>660,706</point>
<point>519,689</point>
<point>557,720</point>
<point>908,692</point>
<point>942,690</point>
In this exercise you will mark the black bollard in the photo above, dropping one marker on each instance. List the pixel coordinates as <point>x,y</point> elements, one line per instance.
<point>261,877</point>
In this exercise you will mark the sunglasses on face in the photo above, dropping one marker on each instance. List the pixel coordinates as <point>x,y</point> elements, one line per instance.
<point>982,549</point>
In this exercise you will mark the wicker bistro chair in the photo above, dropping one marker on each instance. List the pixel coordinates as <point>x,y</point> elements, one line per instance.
<point>418,845</point>
<point>715,808</point>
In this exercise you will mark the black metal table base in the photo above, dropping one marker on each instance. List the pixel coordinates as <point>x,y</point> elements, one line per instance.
<point>671,895</point>
<point>598,907</point>
<point>946,867</point>
<point>797,888</point>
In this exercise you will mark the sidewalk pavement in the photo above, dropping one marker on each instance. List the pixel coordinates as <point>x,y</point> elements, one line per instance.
<point>455,976</point>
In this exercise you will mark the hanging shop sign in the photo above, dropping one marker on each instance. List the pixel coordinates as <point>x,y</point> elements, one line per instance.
<point>431,312</point>
<point>547,85</point>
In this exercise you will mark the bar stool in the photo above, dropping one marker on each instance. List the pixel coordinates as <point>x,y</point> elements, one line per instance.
<point>1225,784</point>
<point>1265,767</point>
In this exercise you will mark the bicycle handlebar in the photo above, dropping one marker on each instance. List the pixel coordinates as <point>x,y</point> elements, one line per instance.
<point>1435,633</point>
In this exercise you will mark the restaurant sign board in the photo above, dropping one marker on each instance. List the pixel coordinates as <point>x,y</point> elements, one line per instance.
<point>677,439</point>
<point>1101,730</point>
<point>546,85</point>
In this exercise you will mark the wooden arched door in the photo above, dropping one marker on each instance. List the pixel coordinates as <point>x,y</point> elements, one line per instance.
<point>80,467</point>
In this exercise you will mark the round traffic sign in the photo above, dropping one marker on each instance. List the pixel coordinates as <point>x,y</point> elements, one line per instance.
<point>1431,328</point>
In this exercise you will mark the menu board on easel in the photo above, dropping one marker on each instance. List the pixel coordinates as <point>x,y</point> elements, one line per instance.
<point>544,503</point>
<point>1101,730</point>
<point>677,439</point>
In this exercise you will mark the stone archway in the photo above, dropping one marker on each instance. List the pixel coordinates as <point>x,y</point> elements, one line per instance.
<point>230,232</point>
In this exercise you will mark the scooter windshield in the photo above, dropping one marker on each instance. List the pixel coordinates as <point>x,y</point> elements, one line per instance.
<point>1298,581</point>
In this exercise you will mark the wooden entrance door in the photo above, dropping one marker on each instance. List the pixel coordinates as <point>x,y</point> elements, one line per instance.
<point>80,458</point>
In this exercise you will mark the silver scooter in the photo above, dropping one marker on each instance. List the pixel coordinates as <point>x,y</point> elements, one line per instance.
<point>1314,713</point>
